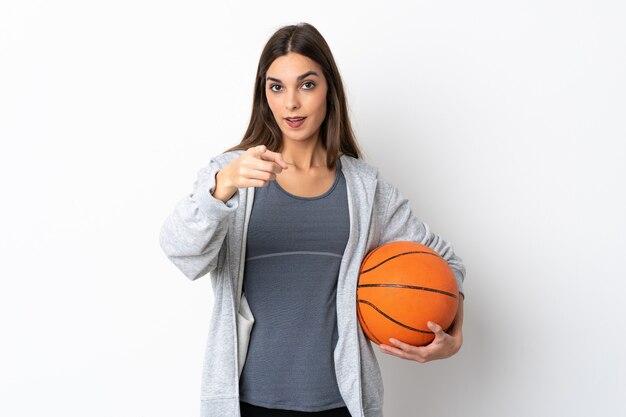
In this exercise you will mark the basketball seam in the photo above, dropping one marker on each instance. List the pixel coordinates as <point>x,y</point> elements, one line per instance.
<point>392,319</point>
<point>369,332</point>
<point>401,254</point>
<point>413,287</point>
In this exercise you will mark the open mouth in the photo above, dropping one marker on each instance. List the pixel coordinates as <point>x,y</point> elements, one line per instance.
<point>295,122</point>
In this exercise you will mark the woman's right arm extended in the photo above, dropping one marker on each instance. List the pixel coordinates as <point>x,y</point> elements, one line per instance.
<point>193,234</point>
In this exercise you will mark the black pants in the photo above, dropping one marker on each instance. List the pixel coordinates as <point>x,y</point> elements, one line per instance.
<point>249,410</point>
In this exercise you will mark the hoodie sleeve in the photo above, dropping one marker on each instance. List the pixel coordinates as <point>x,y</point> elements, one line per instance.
<point>193,234</point>
<point>399,223</point>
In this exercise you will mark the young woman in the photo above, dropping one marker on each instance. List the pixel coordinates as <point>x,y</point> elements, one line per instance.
<point>282,221</point>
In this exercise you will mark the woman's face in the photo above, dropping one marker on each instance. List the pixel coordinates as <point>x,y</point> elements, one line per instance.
<point>296,87</point>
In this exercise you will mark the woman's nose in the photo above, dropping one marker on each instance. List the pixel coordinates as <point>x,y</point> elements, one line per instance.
<point>292,101</point>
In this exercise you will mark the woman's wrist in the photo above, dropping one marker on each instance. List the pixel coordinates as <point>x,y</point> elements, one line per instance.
<point>223,189</point>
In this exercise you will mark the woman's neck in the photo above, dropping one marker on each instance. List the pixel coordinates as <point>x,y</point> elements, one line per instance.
<point>304,156</point>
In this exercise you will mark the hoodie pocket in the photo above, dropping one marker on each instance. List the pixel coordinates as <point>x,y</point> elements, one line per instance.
<point>245,321</point>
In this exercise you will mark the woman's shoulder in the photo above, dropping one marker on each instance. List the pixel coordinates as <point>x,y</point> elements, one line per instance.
<point>366,171</point>
<point>358,164</point>
<point>363,167</point>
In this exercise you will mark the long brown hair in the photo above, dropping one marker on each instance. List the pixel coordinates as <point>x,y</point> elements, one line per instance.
<point>335,131</point>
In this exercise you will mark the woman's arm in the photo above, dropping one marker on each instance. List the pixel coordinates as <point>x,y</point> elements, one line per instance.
<point>399,223</point>
<point>193,234</point>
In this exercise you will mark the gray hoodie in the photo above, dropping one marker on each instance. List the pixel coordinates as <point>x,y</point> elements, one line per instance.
<point>205,235</point>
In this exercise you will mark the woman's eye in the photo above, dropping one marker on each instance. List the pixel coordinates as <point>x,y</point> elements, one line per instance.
<point>311,83</point>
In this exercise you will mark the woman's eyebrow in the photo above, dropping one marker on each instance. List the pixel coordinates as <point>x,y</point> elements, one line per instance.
<point>300,77</point>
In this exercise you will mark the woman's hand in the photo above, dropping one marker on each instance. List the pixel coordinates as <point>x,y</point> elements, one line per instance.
<point>253,168</point>
<point>443,346</point>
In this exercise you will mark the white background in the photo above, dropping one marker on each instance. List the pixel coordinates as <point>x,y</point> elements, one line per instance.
<point>502,122</point>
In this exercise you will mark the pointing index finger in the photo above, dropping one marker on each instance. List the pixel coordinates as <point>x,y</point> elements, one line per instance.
<point>274,157</point>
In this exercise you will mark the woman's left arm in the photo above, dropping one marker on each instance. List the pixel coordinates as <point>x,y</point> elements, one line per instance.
<point>399,223</point>
<point>443,346</point>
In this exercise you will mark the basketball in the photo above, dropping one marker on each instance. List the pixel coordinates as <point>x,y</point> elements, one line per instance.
<point>402,285</point>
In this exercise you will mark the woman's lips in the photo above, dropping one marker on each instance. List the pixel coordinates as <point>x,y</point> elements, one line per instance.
<point>295,124</point>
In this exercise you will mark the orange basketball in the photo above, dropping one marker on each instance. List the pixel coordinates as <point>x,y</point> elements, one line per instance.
<point>402,285</point>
